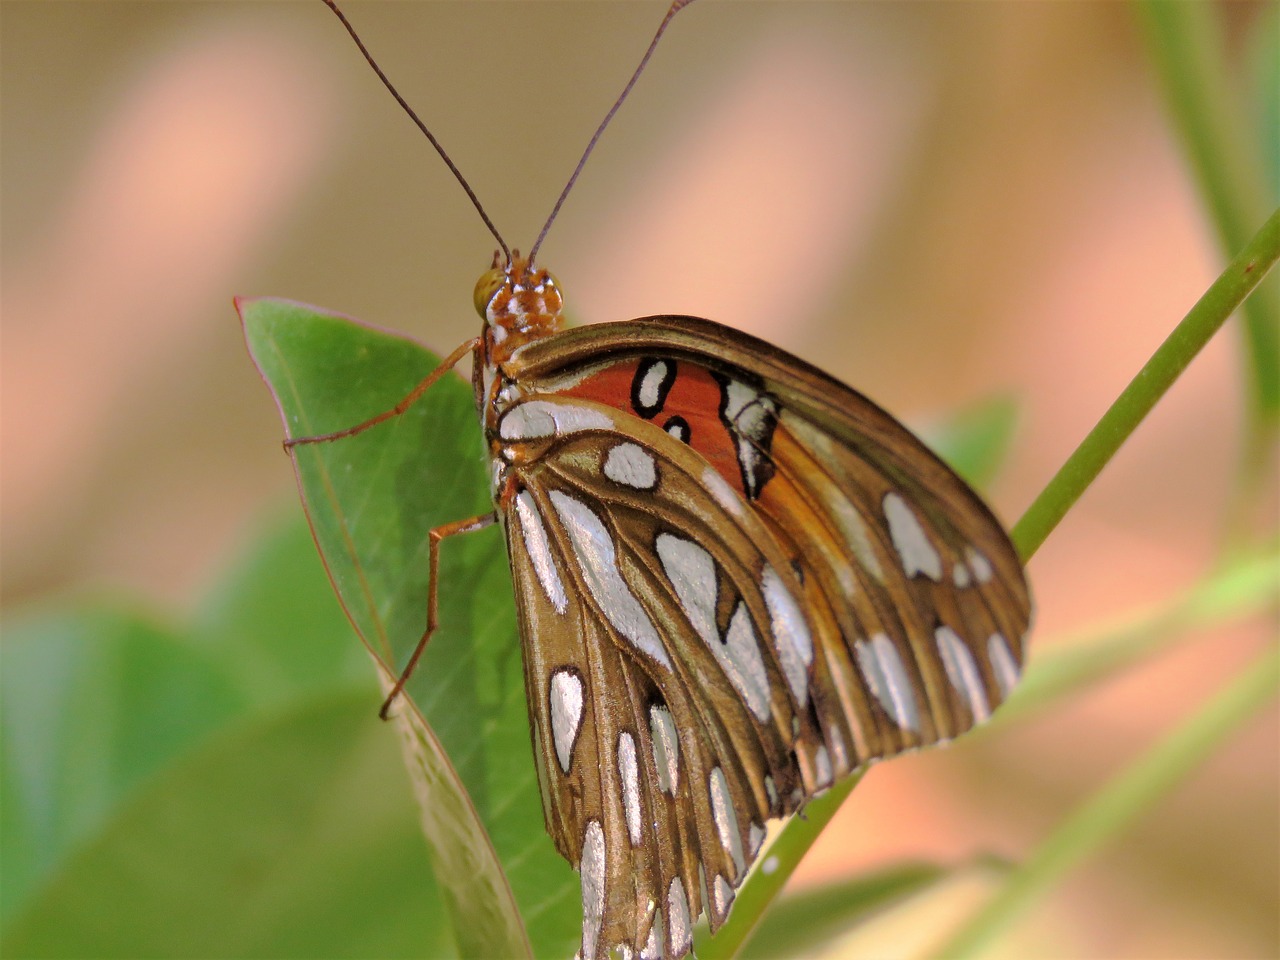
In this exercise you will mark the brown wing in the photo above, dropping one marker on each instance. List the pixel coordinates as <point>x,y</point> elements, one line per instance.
<point>795,581</point>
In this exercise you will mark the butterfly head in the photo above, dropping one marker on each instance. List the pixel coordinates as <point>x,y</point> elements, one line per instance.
<point>518,301</point>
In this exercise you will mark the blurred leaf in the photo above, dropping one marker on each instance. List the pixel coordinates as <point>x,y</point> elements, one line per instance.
<point>1115,806</point>
<point>1187,46</point>
<point>275,624</point>
<point>292,836</point>
<point>911,925</point>
<point>1264,67</point>
<point>92,703</point>
<point>798,923</point>
<point>372,499</point>
<point>1245,587</point>
<point>976,440</point>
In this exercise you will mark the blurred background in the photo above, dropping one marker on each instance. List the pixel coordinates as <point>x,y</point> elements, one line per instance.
<point>936,202</point>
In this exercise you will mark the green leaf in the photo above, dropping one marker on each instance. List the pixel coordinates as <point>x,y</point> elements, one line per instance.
<point>976,440</point>
<point>372,499</point>
<point>92,703</point>
<point>290,836</point>
<point>275,626</point>
<point>1121,801</point>
<point>799,923</point>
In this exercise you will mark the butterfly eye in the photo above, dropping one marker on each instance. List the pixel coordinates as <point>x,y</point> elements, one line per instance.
<point>487,288</point>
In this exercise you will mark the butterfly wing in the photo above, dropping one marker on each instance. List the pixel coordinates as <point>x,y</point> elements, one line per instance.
<point>909,572</point>
<point>755,549</point>
<point>664,676</point>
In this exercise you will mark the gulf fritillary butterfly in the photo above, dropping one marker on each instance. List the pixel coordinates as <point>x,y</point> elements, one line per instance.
<point>737,581</point>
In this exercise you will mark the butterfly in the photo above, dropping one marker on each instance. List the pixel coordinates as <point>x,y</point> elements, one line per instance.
<point>737,581</point>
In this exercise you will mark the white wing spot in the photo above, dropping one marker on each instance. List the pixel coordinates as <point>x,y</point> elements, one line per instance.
<point>535,419</point>
<point>666,749</point>
<point>721,492</point>
<point>963,672</point>
<point>880,664</point>
<point>839,755</point>
<point>741,659</point>
<point>755,839</point>
<point>790,633</point>
<point>823,761</point>
<point>1003,665</point>
<point>629,773</point>
<point>692,573</point>
<point>679,931</point>
<point>753,416</point>
<point>726,818</point>
<point>594,549</point>
<point>980,565</point>
<point>652,949</point>
<point>539,549</point>
<point>566,714</point>
<point>909,539</point>
<point>650,391</point>
<point>592,870</point>
<point>724,896</point>
<point>960,576</point>
<point>632,466</point>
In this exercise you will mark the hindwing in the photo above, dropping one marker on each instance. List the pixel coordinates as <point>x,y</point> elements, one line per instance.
<point>665,659</point>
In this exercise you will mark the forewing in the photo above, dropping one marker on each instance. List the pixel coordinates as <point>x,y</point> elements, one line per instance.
<point>916,597</point>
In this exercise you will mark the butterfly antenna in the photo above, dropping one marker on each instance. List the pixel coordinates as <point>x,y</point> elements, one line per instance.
<point>675,8</point>
<point>475,201</point>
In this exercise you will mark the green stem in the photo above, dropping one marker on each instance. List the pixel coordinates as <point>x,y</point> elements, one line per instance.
<point>1185,43</point>
<point>1242,275</point>
<point>780,861</point>
<point>1110,810</point>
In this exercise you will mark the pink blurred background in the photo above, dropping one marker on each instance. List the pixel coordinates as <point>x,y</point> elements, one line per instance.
<point>936,202</point>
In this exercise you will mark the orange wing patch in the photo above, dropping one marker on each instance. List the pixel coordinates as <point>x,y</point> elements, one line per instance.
<point>683,398</point>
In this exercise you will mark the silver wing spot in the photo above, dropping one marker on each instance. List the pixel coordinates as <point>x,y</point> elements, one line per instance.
<point>629,774</point>
<point>566,714</point>
<point>909,539</point>
<point>1003,665</point>
<point>726,818</point>
<point>881,666</point>
<point>666,749</point>
<point>539,550</point>
<point>679,930</point>
<point>692,573</point>
<point>598,561</point>
<point>790,633</point>
<point>962,671</point>
<point>631,465</point>
<point>980,565</point>
<point>592,870</point>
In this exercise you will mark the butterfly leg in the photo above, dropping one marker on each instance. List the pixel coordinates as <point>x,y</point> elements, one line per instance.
<point>433,568</point>
<point>449,362</point>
